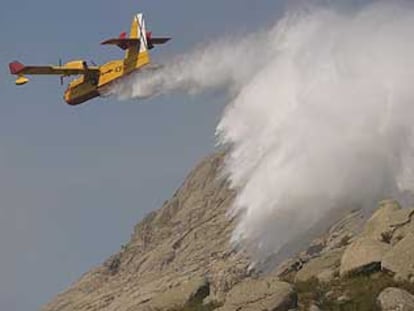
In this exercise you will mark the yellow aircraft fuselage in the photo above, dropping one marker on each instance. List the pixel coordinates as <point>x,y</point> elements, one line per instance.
<point>87,87</point>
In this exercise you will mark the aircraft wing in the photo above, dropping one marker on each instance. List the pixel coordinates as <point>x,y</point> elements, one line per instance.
<point>18,68</point>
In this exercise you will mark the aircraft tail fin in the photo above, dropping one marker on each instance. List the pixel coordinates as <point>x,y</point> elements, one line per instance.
<point>139,36</point>
<point>16,67</point>
<point>137,54</point>
<point>137,44</point>
<point>139,31</point>
<point>136,41</point>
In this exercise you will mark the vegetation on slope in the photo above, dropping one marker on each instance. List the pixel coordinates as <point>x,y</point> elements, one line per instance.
<point>347,294</point>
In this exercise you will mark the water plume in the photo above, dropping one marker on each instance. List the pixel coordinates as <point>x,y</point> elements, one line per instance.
<point>321,115</point>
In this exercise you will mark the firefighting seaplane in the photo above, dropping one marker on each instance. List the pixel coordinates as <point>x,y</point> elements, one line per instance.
<point>95,80</point>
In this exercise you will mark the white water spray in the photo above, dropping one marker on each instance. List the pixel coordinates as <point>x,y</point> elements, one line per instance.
<point>322,115</point>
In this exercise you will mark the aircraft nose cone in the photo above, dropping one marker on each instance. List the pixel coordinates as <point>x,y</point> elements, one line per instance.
<point>67,97</point>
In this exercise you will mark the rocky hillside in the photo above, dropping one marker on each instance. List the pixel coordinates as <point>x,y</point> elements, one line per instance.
<point>179,258</point>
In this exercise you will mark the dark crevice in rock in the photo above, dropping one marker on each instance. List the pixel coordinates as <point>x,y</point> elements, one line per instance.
<point>114,264</point>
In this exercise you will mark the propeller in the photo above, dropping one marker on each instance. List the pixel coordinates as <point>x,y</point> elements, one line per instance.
<point>61,77</point>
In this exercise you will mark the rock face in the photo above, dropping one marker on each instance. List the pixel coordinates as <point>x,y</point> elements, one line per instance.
<point>263,294</point>
<point>393,299</point>
<point>364,254</point>
<point>195,288</point>
<point>400,259</point>
<point>167,260</point>
<point>323,254</point>
<point>322,268</point>
<point>180,255</point>
<point>390,223</point>
<point>389,212</point>
<point>386,241</point>
<point>344,231</point>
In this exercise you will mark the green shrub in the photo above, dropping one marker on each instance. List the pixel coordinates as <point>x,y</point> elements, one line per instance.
<point>361,292</point>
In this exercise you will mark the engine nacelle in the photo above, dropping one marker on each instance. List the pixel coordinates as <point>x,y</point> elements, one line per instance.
<point>75,64</point>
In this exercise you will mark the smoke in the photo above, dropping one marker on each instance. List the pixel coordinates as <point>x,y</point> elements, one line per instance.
<point>321,115</point>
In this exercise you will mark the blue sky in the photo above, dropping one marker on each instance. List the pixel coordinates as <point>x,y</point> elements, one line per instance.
<point>74,181</point>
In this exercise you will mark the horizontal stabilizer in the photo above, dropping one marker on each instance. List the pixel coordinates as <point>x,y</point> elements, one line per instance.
<point>123,43</point>
<point>155,41</point>
<point>126,43</point>
<point>159,40</point>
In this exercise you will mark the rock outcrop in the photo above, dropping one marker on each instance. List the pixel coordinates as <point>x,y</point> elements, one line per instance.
<point>365,254</point>
<point>379,226</point>
<point>194,289</point>
<point>174,254</point>
<point>393,299</point>
<point>180,256</point>
<point>261,294</point>
<point>323,255</point>
<point>400,259</point>
<point>386,242</point>
<point>322,268</point>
